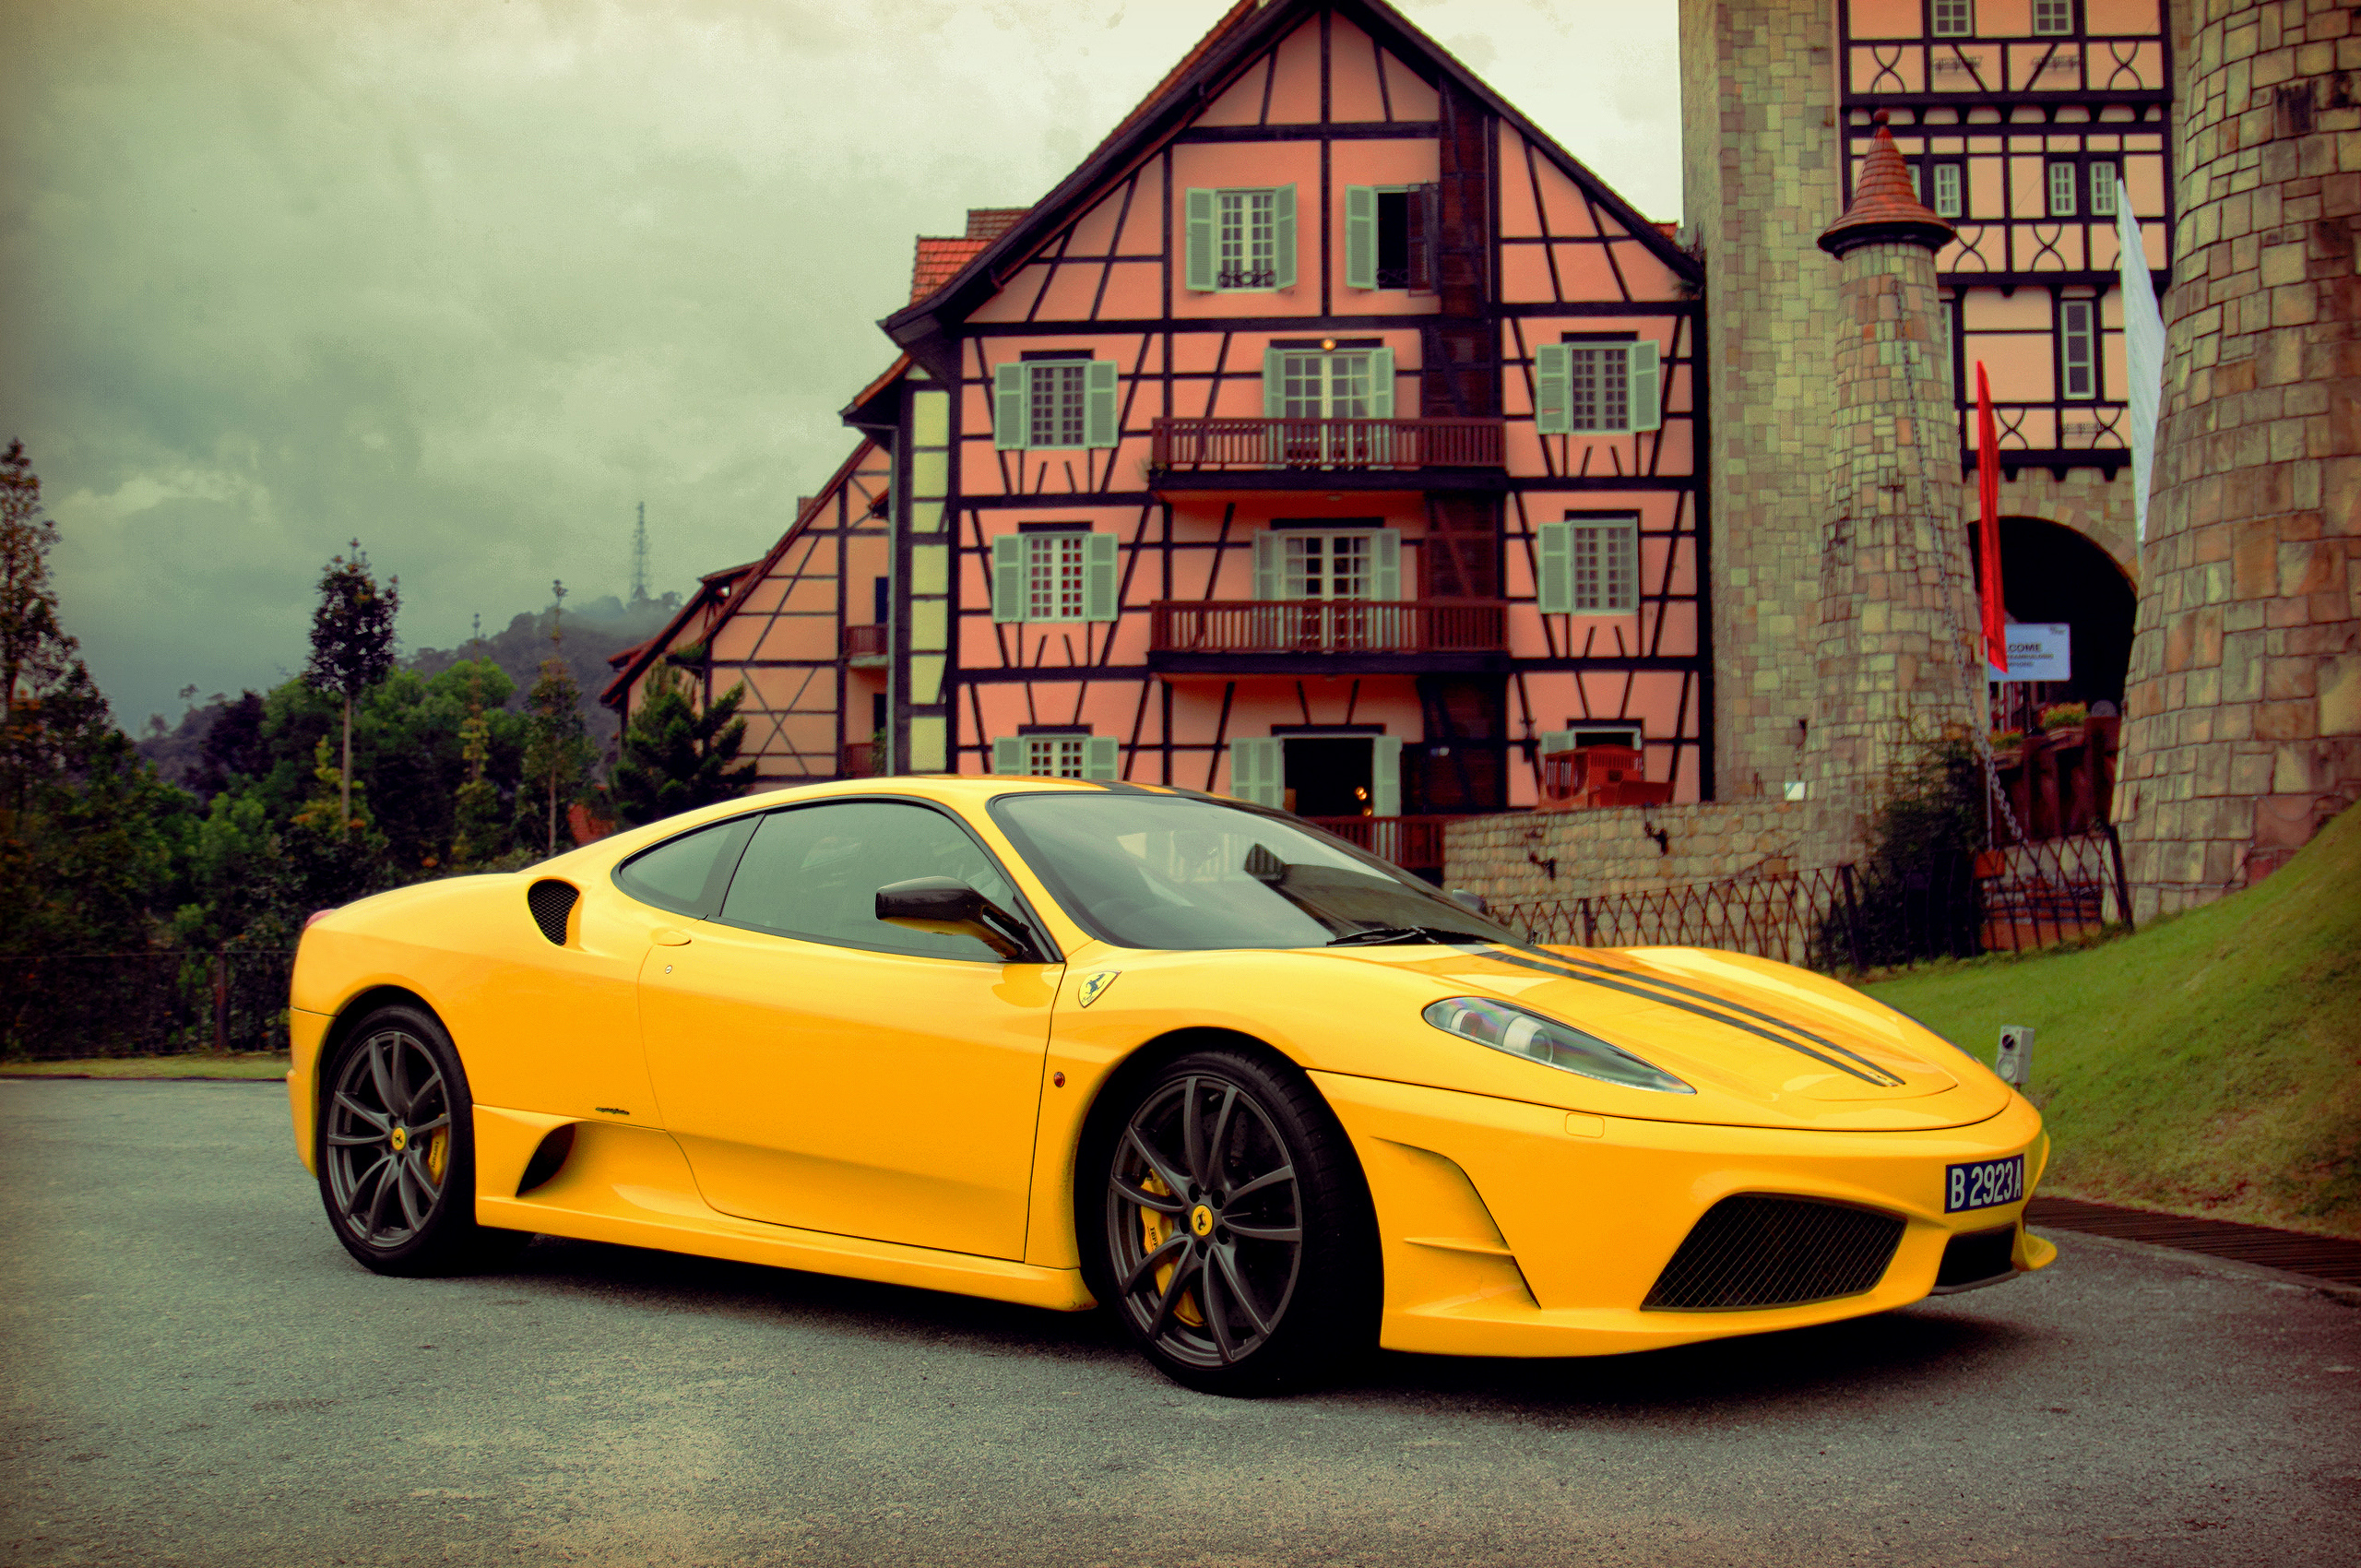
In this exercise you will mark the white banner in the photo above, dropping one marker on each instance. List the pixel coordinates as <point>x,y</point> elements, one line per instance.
<point>2143,352</point>
<point>2038,650</point>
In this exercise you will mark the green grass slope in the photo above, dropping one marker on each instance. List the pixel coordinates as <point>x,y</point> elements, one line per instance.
<point>2209,1066</point>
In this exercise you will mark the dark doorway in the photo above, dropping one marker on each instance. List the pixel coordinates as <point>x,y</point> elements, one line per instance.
<point>2051,573</point>
<point>1328,775</point>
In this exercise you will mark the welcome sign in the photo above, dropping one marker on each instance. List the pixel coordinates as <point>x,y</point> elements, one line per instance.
<point>2038,650</point>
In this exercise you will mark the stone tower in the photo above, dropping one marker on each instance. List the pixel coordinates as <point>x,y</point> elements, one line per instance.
<point>1896,659</point>
<point>2242,727</point>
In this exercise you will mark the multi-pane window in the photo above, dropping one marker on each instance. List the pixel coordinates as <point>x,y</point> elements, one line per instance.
<point>1954,18</point>
<point>1246,240</point>
<point>2063,178</point>
<point>1949,193</point>
<point>2103,189</point>
<point>1592,388</point>
<point>1589,567</point>
<point>2051,18</point>
<point>1057,410</point>
<point>1324,385</point>
<point>1055,570</point>
<point>1058,401</point>
<point>2078,348</point>
<point>1056,756</point>
<point>1325,565</point>
<point>1058,753</point>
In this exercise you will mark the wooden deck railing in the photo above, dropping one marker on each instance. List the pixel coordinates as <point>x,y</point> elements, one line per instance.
<point>864,642</point>
<point>1335,625</point>
<point>1328,444</point>
<point>1414,843</point>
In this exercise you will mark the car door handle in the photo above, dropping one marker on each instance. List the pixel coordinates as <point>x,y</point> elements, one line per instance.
<point>666,936</point>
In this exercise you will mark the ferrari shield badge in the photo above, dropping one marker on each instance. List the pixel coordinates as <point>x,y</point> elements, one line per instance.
<point>1094,986</point>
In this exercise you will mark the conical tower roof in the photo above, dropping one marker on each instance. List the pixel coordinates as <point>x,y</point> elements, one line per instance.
<point>1884,207</point>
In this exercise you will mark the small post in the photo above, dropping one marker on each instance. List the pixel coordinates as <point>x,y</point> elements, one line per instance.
<point>1852,916</point>
<point>222,1002</point>
<point>1590,926</point>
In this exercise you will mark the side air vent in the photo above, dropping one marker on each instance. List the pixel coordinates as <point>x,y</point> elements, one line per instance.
<point>551,901</point>
<point>548,1159</point>
<point>1978,1257</point>
<point>1757,1251</point>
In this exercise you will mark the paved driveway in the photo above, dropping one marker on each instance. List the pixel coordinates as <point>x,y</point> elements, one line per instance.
<point>195,1372</point>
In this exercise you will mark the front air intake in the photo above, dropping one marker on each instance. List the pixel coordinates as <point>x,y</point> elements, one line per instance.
<point>1979,1257</point>
<point>551,901</point>
<point>1757,1251</point>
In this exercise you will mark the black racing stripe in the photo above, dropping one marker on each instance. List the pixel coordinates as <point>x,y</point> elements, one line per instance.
<point>1888,1081</point>
<point>1724,1002</point>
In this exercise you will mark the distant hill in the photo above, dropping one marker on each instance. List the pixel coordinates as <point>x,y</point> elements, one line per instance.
<point>594,631</point>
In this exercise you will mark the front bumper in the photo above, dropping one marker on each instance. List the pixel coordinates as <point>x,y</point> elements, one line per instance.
<point>1515,1230</point>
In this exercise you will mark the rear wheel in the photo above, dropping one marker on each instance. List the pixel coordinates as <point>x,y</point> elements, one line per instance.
<point>396,1149</point>
<point>1233,1240</point>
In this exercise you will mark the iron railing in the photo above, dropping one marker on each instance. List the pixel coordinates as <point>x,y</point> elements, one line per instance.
<point>1330,625</point>
<point>2008,901</point>
<point>1263,443</point>
<point>160,1003</point>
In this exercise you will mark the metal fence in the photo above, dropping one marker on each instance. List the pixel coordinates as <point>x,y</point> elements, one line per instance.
<point>2016,899</point>
<point>144,1003</point>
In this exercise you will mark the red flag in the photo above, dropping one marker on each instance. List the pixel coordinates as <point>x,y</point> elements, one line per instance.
<point>1988,486</point>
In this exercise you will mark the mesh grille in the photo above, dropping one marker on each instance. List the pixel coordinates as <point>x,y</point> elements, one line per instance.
<point>1765,1251</point>
<point>551,903</point>
<point>1977,1256</point>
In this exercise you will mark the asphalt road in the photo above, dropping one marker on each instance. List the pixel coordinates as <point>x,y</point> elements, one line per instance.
<point>195,1373</point>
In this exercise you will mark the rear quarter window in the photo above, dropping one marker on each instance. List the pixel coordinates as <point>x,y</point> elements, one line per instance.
<point>687,874</point>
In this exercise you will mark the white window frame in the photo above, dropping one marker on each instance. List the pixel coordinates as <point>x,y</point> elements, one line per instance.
<point>2058,16</point>
<point>1027,567</point>
<point>1015,386</point>
<point>1343,384</point>
<point>2078,350</point>
<point>2064,178</point>
<point>1570,381</point>
<point>1056,575</point>
<point>2102,174</point>
<point>1058,753</point>
<point>1948,198</point>
<point>1278,575</point>
<point>1240,225</point>
<point>1588,567</point>
<point>1069,404</point>
<point>1951,18</point>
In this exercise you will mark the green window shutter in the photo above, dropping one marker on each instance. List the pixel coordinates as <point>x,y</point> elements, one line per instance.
<point>1267,586</point>
<point>1199,271</point>
<point>1098,587</point>
<point>1385,776</point>
<point>1008,754</point>
<point>1555,588</point>
<point>1361,236</point>
<point>1557,741</point>
<point>1099,409</point>
<point>1257,773</point>
<point>1011,411</point>
<point>1642,380</point>
<point>1385,567</point>
<point>1283,233</point>
<point>1101,758</point>
<point>1275,400</point>
<point>1551,416</point>
<point>1381,384</point>
<point>1008,580</point>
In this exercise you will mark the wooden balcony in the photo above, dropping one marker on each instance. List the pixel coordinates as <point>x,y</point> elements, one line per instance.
<point>1414,843</point>
<point>1310,446</point>
<point>864,644</point>
<point>1336,626</point>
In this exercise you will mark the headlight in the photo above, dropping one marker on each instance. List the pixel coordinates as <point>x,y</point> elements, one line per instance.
<point>1505,1027</point>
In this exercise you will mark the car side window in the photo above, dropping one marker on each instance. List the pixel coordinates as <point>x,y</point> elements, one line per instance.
<point>813,872</point>
<point>686,875</point>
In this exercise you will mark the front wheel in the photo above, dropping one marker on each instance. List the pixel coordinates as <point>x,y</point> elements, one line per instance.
<point>1234,1242</point>
<point>397,1151</point>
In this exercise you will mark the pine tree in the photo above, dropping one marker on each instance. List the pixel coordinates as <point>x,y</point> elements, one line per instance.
<point>476,804</point>
<point>41,678</point>
<point>674,758</point>
<point>557,753</point>
<point>352,642</point>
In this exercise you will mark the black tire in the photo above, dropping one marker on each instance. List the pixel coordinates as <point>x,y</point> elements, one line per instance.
<point>1225,1222</point>
<point>396,1150</point>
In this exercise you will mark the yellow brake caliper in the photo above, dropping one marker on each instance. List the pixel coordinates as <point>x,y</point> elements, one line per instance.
<point>438,1155</point>
<point>1155,1230</point>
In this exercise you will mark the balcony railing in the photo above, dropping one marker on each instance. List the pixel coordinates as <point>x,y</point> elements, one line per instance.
<point>1414,843</point>
<point>1328,444</point>
<point>864,642</point>
<point>1334,625</point>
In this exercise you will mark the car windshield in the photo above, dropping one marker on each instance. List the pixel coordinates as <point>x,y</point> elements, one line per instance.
<point>1174,872</point>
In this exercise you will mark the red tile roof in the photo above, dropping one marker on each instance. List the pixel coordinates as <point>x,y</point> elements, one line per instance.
<point>939,261</point>
<point>1884,207</point>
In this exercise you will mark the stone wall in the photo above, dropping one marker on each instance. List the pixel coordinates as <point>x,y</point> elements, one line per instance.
<point>1759,153</point>
<point>1614,849</point>
<point>2242,728</point>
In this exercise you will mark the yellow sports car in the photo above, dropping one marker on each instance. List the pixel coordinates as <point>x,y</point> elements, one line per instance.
<point>1266,1098</point>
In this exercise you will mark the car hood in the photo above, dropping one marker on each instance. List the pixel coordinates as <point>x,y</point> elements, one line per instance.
<point>1763,1043</point>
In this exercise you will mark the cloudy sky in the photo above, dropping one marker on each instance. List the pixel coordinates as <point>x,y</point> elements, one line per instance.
<point>468,278</point>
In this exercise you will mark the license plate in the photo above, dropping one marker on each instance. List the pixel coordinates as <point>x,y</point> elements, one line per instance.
<point>1987,1183</point>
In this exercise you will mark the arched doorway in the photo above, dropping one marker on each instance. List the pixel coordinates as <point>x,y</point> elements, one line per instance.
<point>2051,573</point>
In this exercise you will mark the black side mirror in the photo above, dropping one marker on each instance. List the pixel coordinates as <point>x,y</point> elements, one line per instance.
<point>951,907</point>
